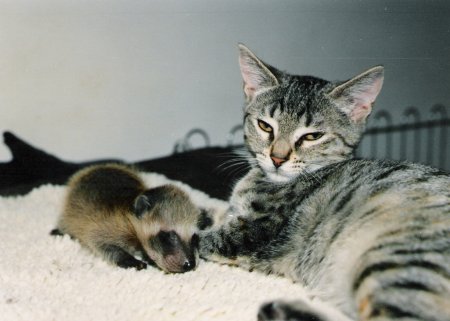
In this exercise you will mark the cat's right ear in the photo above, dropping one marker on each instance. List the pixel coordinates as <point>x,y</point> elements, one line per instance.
<point>255,73</point>
<point>356,96</point>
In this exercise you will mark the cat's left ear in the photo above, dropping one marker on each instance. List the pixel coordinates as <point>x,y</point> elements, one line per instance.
<point>255,73</point>
<point>356,96</point>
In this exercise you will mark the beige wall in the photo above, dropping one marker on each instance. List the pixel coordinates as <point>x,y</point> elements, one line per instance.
<point>92,79</point>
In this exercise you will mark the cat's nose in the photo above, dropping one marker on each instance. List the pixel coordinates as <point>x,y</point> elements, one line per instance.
<point>277,162</point>
<point>280,152</point>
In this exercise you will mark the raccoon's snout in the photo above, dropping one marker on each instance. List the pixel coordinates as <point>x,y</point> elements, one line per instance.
<point>189,265</point>
<point>178,263</point>
<point>175,254</point>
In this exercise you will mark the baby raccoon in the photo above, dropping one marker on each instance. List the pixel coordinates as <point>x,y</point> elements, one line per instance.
<point>111,212</point>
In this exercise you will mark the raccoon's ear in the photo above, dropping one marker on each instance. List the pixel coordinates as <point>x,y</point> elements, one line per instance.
<point>255,73</point>
<point>150,198</point>
<point>356,96</point>
<point>142,205</point>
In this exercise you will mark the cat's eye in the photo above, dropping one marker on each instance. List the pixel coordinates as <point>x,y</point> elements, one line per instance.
<point>311,136</point>
<point>265,126</point>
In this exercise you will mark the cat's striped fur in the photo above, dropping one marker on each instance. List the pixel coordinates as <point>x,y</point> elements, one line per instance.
<point>371,239</point>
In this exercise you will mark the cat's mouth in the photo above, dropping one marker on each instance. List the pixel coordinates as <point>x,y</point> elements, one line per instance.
<point>278,178</point>
<point>280,174</point>
<point>287,172</point>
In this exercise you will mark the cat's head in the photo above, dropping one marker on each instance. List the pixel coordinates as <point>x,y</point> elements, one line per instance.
<point>298,124</point>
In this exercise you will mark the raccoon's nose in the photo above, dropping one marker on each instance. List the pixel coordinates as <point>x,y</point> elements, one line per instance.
<point>188,265</point>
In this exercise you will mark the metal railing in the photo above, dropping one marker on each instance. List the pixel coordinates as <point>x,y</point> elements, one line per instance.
<point>415,139</point>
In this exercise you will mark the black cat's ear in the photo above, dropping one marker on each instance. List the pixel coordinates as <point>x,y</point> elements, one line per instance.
<point>356,96</point>
<point>142,205</point>
<point>255,73</point>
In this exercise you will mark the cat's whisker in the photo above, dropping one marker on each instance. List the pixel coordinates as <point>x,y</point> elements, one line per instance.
<point>230,164</point>
<point>234,166</point>
<point>238,171</point>
<point>235,154</point>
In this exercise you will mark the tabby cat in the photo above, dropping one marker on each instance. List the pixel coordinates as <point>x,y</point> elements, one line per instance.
<point>368,239</point>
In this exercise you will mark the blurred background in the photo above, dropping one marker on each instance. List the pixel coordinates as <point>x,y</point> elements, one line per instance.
<point>128,79</point>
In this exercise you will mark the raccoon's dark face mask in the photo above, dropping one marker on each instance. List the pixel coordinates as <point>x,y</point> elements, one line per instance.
<point>174,254</point>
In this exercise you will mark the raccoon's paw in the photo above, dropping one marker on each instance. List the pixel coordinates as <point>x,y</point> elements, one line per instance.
<point>56,232</point>
<point>288,311</point>
<point>131,262</point>
<point>140,266</point>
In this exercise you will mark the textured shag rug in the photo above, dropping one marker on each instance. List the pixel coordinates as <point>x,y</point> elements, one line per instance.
<point>52,278</point>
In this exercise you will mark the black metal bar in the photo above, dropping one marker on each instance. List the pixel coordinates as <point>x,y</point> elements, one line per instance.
<point>440,109</point>
<point>232,134</point>
<point>443,151</point>
<point>373,146</point>
<point>414,112</point>
<point>388,119</point>
<point>404,127</point>
<point>430,145</point>
<point>403,144</point>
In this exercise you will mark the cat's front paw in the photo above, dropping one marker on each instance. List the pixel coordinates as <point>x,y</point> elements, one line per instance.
<point>207,244</point>
<point>211,248</point>
<point>288,311</point>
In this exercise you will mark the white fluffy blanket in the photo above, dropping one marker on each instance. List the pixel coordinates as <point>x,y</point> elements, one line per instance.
<point>52,278</point>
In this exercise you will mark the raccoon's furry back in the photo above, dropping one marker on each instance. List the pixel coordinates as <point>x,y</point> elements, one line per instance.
<point>99,199</point>
<point>110,185</point>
